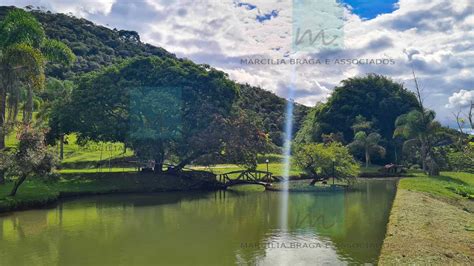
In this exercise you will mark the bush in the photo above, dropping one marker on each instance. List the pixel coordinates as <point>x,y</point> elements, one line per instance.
<point>462,160</point>
<point>31,158</point>
<point>326,160</point>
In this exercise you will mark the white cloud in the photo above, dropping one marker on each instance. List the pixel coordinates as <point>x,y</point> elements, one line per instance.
<point>435,37</point>
<point>78,8</point>
<point>463,98</point>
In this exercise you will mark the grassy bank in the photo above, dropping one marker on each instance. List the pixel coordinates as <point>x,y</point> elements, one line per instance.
<point>34,193</point>
<point>450,185</point>
<point>432,221</point>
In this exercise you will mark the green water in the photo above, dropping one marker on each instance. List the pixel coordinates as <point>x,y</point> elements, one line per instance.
<point>212,228</point>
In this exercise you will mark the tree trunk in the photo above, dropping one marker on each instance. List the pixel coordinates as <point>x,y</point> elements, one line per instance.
<point>2,177</point>
<point>158,168</point>
<point>17,185</point>
<point>367,158</point>
<point>61,147</point>
<point>186,161</point>
<point>28,111</point>
<point>3,109</point>
<point>423,158</point>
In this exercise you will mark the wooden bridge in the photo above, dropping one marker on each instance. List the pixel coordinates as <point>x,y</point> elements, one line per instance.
<point>250,177</point>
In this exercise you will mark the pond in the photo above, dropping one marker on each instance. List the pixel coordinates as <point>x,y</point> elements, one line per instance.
<point>205,228</point>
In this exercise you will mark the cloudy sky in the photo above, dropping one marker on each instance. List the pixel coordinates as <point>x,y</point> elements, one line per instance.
<point>434,37</point>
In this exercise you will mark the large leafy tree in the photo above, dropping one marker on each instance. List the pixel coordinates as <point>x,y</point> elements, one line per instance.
<point>375,97</point>
<point>24,51</point>
<point>165,109</point>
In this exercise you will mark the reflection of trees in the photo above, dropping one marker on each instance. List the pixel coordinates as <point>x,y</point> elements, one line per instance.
<point>202,228</point>
<point>24,231</point>
<point>366,211</point>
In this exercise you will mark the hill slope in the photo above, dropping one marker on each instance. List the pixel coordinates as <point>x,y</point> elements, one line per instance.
<point>96,46</point>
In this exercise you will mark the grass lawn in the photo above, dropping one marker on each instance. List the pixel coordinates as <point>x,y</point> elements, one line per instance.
<point>97,170</point>
<point>275,168</point>
<point>454,185</point>
<point>92,151</point>
<point>440,221</point>
<point>373,168</point>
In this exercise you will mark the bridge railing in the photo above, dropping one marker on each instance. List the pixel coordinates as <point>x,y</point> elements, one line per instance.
<point>246,175</point>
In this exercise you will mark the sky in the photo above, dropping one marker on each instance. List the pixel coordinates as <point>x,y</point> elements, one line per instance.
<point>435,38</point>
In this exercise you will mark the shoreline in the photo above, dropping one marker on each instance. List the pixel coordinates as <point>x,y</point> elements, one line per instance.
<point>424,228</point>
<point>93,184</point>
<point>83,185</point>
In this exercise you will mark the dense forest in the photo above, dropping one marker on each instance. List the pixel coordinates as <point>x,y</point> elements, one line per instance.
<point>97,46</point>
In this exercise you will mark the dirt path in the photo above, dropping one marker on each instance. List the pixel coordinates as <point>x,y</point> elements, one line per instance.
<point>425,231</point>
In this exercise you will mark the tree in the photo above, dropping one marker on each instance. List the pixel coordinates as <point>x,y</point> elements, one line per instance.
<point>31,158</point>
<point>420,129</point>
<point>104,47</point>
<point>164,109</point>
<point>322,161</point>
<point>55,94</point>
<point>365,140</point>
<point>462,160</point>
<point>24,51</point>
<point>368,143</point>
<point>242,140</point>
<point>369,96</point>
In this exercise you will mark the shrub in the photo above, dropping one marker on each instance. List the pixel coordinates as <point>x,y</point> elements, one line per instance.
<point>462,160</point>
<point>326,160</point>
<point>31,158</point>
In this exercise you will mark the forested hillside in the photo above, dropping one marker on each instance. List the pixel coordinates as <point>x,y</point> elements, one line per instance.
<point>98,46</point>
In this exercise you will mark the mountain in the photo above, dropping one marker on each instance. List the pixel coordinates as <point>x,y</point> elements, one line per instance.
<point>97,46</point>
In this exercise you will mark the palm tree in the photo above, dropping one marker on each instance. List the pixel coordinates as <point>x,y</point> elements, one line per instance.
<point>24,51</point>
<point>368,143</point>
<point>420,129</point>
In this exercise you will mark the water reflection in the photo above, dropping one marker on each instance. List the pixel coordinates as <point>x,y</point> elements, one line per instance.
<point>218,228</point>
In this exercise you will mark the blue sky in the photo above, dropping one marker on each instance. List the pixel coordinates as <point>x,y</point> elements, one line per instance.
<point>369,9</point>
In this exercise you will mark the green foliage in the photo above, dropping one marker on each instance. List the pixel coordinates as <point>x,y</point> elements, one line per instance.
<point>368,143</point>
<point>155,117</point>
<point>20,26</point>
<point>369,96</point>
<point>361,125</point>
<point>326,160</point>
<point>173,107</point>
<point>243,141</point>
<point>22,64</point>
<point>365,140</point>
<point>270,109</point>
<point>57,52</point>
<point>464,191</point>
<point>94,45</point>
<point>97,46</point>
<point>422,133</point>
<point>31,158</point>
<point>416,124</point>
<point>461,160</point>
<point>448,184</point>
